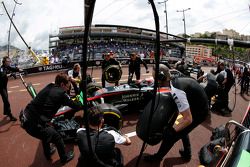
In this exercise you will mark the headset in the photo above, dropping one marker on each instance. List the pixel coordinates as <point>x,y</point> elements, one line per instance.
<point>162,76</point>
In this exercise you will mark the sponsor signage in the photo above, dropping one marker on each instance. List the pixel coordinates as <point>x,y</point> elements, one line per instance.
<point>51,67</point>
<point>59,66</point>
<point>130,97</point>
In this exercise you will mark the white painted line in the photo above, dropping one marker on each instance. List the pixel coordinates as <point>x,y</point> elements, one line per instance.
<point>13,87</point>
<point>36,84</point>
<point>147,74</point>
<point>22,90</point>
<point>131,134</point>
<point>9,91</point>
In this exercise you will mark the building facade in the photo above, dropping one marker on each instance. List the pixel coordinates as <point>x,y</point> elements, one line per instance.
<point>198,50</point>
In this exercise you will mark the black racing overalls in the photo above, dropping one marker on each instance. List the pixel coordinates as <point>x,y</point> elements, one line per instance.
<point>103,145</point>
<point>198,103</point>
<point>39,112</point>
<point>135,67</point>
<point>4,70</point>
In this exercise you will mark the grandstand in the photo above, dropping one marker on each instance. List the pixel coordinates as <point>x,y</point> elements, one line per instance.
<point>105,38</point>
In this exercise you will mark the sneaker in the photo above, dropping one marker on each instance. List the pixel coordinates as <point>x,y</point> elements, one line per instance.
<point>224,112</point>
<point>12,118</point>
<point>185,155</point>
<point>152,158</point>
<point>229,110</point>
<point>69,156</point>
<point>52,151</point>
<point>210,106</point>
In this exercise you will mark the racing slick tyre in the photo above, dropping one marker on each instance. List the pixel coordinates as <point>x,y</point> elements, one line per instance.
<point>164,115</point>
<point>112,116</point>
<point>112,73</point>
<point>92,88</point>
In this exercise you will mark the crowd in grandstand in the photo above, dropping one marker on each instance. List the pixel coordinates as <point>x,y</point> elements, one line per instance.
<point>120,50</point>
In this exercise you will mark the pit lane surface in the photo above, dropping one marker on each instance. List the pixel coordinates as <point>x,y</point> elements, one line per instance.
<point>18,149</point>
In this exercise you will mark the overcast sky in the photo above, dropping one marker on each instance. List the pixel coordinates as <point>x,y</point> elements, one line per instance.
<point>36,19</point>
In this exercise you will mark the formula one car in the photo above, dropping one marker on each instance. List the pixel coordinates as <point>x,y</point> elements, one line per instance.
<point>65,121</point>
<point>113,101</point>
<point>126,97</point>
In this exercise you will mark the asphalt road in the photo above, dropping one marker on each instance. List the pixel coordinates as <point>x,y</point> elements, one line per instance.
<point>19,149</point>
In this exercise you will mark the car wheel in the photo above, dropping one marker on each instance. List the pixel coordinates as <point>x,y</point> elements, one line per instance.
<point>92,88</point>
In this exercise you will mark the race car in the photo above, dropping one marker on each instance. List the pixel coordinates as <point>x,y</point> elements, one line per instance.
<point>66,122</point>
<point>126,97</point>
<point>113,101</point>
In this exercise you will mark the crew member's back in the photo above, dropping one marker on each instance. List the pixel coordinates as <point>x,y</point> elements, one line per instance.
<point>196,96</point>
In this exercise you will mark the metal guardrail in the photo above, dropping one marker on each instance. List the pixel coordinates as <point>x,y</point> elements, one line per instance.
<point>239,129</point>
<point>246,119</point>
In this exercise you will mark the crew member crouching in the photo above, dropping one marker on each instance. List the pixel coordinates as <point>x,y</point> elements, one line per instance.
<point>103,143</point>
<point>36,117</point>
<point>211,85</point>
<point>75,77</point>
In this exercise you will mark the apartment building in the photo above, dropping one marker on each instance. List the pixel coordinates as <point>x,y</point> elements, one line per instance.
<point>198,50</point>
